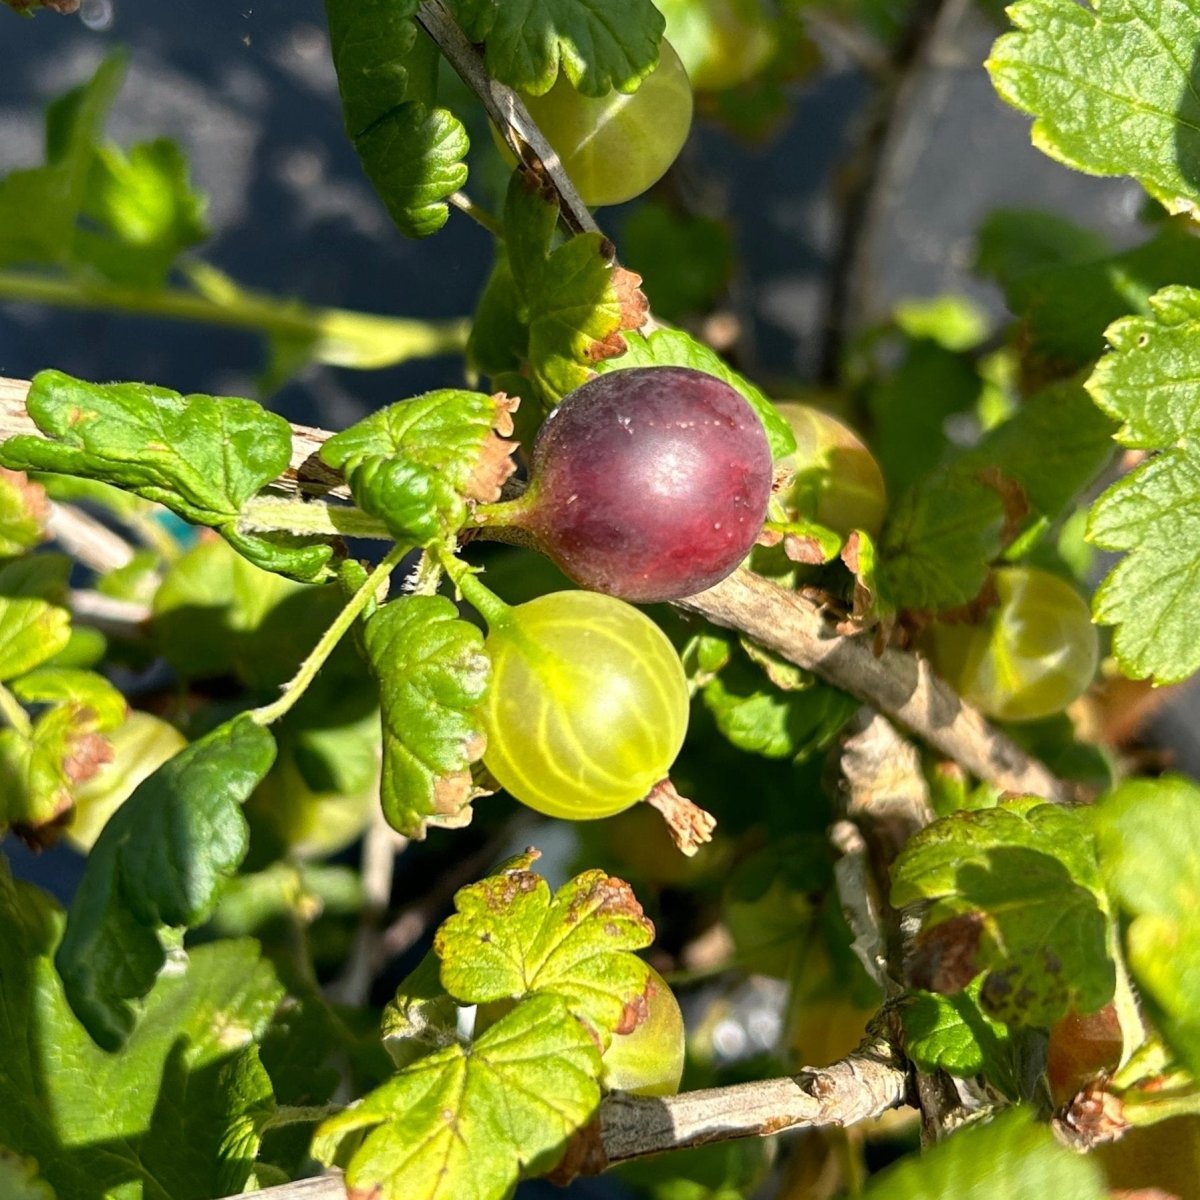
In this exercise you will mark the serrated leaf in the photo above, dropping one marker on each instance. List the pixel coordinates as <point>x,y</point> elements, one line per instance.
<point>954,1034</point>
<point>23,512</point>
<point>201,456</point>
<point>509,938</point>
<point>139,213</point>
<point>1148,835</point>
<point>674,348</point>
<point>574,301</point>
<point>34,622</point>
<point>1146,382</point>
<point>39,205</point>
<point>469,1121</point>
<point>1014,892</point>
<point>370,41</point>
<point>1111,88</point>
<point>159,862</point>
<point>1010,1155</point>
<point>599,44</point>
<point>412,463</point>
<point>432,673</point>
<point>765,719</point>
<point>414,160</point>
<point>175,1092</point>
<point>412,153</point>
<point>939,541</point>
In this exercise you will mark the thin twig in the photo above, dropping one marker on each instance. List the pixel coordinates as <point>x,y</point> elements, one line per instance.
<point>87,540</point>
<point>898,684</point>
<point>507,111</point>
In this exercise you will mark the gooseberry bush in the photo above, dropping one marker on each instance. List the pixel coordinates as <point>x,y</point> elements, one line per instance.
<point>814,698</point>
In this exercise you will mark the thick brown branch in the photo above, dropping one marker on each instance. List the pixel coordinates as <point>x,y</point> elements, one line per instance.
<point>859,1087</point>
<point>898,684</point>
<point>865,1084</point>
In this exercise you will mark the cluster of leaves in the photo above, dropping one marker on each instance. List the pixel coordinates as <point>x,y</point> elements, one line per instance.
<point>1029,914</point>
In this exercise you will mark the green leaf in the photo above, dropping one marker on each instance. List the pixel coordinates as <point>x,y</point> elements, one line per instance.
<point>1146,381</point>
<point>761,717</point>
<point>674,348</point>
<point>1148,839</point>
<point>1015,892</point>
<point>1053,446</point>
<point>954,1034</point>
<point>411,152</point>
<point>174,1096</point>
<point>34,622</point>
<point>573,300</point>
<point>201,456</point>
<point>370,41</point>
<point>432,673</point>
<point>39,205</point>
<point>509,939</point>
<point>414,160</point>
<point>1010,1155</point>
<point>160,861</point>
<point>1064,305</point>
<point>599,44</point>
<point>140,212</point>
<point>23,512</point>
<point>1111,87</point>
<point>414,463</point>
<point>469,1121</point>
<point>939,541</point>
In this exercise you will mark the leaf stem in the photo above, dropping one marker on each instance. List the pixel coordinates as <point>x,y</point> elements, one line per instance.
<point>298,684</point>
<point>481,597</point>
<point>311,516</point>
<point>479,215</point>
<point>338,337</point>
<point>14,714</point>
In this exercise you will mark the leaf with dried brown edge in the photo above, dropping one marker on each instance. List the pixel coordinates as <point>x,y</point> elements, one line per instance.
<point>577,302</point>
<point>1014,892</point>
<point>510,938</point>
<point>415,464</point>
<point>432,673</point>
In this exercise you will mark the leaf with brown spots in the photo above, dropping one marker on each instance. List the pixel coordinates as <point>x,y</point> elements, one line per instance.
<point>23,512</point>
<point>1013,892</point>
<point>65,745</point>
<point>510,938</point>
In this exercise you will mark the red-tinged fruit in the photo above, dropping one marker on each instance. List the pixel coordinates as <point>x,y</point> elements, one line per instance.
<point>648,1060</point>
<point>649,483</point>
